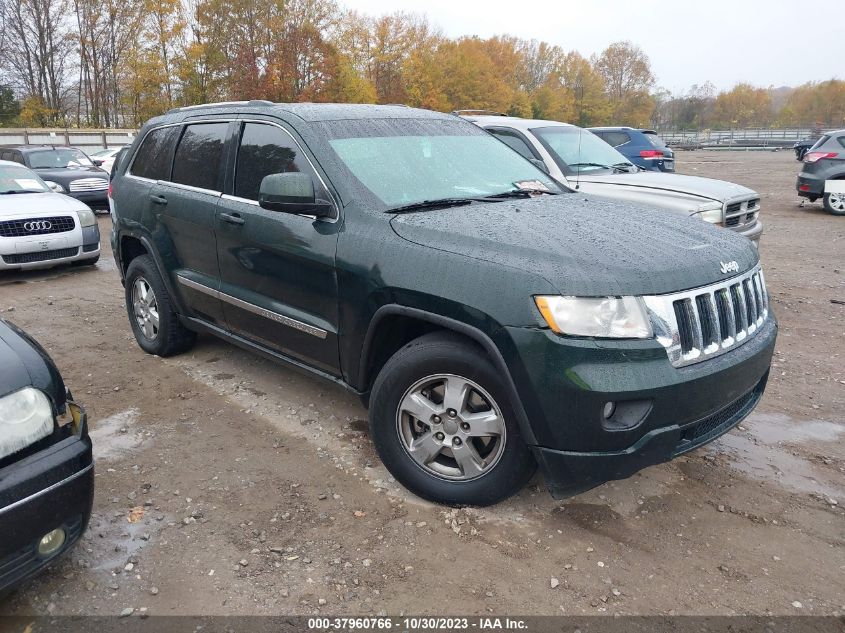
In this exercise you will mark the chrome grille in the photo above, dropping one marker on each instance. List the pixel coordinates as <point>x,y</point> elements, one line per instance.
<point>702,323</point>
<point>741,212</point>
<point>36,226</point>
<point>89,184</point>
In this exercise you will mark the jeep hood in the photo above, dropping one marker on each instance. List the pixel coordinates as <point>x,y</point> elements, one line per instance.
<point>584,245</point>
<point>705,188</point>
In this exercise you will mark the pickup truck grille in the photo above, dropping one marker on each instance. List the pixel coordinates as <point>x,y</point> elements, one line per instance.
<point>89,184</point>
<point>702,323</point>
<point>36,226</point>
<point>741,213</point>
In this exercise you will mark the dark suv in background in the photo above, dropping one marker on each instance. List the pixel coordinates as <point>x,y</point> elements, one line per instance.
<point>489,319</point>
<point>825,162</point>
<point>644,148</point>
<point>67,170</point>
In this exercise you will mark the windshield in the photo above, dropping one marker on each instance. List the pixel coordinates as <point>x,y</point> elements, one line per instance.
<point>17,178</point>
<point>577,151</point>
<point>104,153</point>
<point>405,161</point>
<point>58,158</point>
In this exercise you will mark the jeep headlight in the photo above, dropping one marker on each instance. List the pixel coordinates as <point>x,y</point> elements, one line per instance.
<point>599,317</point>
<point>26,416</point>
<point>86,217</point>
<point>54,186</point>
<point>710,212</point>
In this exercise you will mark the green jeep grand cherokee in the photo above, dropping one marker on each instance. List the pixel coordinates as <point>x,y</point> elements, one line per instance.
<point>491,320</point>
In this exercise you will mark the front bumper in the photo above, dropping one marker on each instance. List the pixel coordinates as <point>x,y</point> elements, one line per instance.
<point>752,232</point>
<point>48,490</point>
<point>565,383</point>
<point>97,200</point>
<point>52,250</point>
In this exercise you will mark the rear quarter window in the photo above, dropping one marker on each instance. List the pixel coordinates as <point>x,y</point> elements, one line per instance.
<point>615,139</point>
<point>154,156</point>
<point>655,140</point>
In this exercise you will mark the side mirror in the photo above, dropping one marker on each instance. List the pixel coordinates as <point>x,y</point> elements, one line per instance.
<point>97,162</point>
<point>292,192</point>
<point>539,165</point>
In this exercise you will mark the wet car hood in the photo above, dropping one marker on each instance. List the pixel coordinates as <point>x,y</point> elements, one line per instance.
<point>45,202</point>
<point>585,245</point>
<point>64,175</point>
<point>707,188</point>
<point>24,363</point>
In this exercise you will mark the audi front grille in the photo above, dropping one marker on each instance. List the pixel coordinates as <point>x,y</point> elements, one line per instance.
<point>36,226</point>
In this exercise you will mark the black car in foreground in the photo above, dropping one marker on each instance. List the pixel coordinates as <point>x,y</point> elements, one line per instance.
<point>67,170</point>
<point>46,464</point>
<point>492,320</point>
<point>823,175</point>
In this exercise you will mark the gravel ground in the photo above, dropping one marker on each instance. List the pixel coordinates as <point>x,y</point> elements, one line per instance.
<point>229,485</point>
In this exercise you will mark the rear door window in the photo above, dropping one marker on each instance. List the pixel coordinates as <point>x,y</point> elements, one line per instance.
<point>266,149</point>
<point>155,154</point>
<point>199,155</point>
<point>616,138</point>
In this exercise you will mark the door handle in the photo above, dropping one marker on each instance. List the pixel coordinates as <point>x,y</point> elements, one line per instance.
<point>232,218</point>
<point>158,199</point>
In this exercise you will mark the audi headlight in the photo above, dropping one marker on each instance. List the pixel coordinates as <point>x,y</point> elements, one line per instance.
<point>710,212</point>
<point>86,217</point>
<point>599,317</point>
<point>54,186</point>
<point>26,416</point>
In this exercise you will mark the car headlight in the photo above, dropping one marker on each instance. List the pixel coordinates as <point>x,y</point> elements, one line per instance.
<point>54,186</point>
<point>599,317</point>
<point>710,212</point>
<point>86,217</point>
<point>26,416</point>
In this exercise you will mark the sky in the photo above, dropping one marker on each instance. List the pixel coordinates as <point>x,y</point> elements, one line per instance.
<point>763,42</point>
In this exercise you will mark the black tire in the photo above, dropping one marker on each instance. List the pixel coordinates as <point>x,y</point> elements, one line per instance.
<point>171,336</point>
<point>834,203</point>
<point>86,262</point>
<point>435,354</point>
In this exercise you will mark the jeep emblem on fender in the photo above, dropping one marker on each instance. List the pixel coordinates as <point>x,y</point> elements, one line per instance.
<point>40,225</point>
<point>729,267</point>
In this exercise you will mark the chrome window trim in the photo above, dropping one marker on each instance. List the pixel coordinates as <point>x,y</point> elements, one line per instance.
<point>251,307</point>
<point>179,185</point>
<point>661,311</point>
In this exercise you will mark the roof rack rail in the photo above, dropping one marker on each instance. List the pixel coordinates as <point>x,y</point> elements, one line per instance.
<point>478,112</point>
<point>197,106</point>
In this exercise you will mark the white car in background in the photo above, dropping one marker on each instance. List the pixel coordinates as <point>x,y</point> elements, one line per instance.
<point>582,161</point>
<point>104,158</point>
<point>40,228</point>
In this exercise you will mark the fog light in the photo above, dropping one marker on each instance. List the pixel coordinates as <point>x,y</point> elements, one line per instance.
<point>609,410</point>
<point>51,542</point>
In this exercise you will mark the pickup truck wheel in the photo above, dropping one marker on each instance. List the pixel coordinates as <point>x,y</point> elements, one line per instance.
<point>154,321</point>
<point>834,203</point>
<point>442,423</point>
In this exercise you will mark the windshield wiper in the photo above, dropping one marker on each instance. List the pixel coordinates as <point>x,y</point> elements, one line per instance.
<point>520,193</point>
<point>626,166</point>
<point>13,191</point>
<point>431,204</point>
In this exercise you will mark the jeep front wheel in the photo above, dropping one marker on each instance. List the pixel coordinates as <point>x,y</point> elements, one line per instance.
<point>443,425</point>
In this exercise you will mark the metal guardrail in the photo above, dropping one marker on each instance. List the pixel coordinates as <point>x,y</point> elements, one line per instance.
<point>774,137</point>
<point>91,140</point>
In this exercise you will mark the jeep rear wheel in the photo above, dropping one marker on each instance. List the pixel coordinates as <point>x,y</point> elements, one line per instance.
<point>834,203</point>
<point>442,423</point>
<point>154,321</point>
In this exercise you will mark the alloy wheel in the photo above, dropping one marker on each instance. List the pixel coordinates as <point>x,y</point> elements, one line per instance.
<point>451,427</point>
<point>145,306</point>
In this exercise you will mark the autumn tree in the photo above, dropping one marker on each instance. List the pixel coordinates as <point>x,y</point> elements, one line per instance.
<point>628,79</point>
<point>742,106</point>
<point>816,103</point>
<point>586,84</point>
